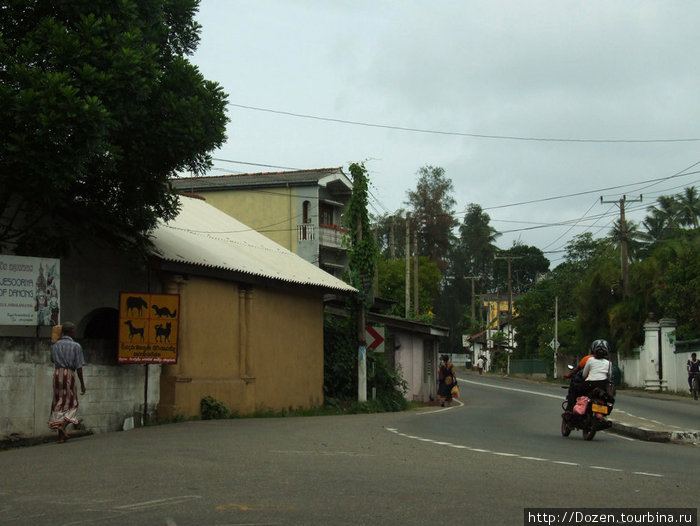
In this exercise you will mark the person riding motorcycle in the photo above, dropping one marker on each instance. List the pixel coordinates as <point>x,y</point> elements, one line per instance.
<point>579,386</point>
<point>596,373</point>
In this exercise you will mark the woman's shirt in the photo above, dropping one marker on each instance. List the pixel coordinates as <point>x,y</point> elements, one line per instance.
<point>596,369</point>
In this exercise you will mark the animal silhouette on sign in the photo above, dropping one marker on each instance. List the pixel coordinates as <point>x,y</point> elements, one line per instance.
<point>163,311</point>
<point>135,303</point>
<point>133,331</point>
<point>163,333</point>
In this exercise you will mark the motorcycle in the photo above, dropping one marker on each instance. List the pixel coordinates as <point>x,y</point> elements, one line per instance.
<point>589,414</point>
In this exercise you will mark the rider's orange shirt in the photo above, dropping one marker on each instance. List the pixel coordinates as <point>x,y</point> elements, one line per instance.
<point>583,361</point>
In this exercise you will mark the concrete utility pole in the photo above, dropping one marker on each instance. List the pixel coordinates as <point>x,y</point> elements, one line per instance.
<point>392,248</point>
<point>408,265</point>
<point>472,278</point>
<point>510,297</point>
<point>415,275</point>
<point>556,333</point>
<point>361,343</point>
<point>624,259</point>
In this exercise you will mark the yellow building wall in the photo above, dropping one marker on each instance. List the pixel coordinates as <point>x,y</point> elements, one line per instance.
<point>271,212</point>
<point>255,349</point>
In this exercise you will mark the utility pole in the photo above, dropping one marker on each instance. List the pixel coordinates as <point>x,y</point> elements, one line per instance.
<point>510,297</point>
<point>472,278</point>
<point>624,259</point>
<point>415,275</point>
<point>408,265</point>
<point>362,344</point>
<point>392,248</point>
<point>556,333</point>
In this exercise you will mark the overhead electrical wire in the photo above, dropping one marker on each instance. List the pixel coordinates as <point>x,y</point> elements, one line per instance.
<point>459,134</point>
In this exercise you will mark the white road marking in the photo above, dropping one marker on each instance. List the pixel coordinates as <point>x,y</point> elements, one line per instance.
<point>158,502</point>
<point>514,455</point>
<point>604,468</point>
<point>558,397</point>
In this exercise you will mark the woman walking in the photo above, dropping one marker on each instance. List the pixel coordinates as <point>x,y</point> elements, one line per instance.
<point>447,380</point>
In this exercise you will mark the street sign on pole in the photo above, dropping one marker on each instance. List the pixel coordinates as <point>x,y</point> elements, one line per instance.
<point>375,338</point>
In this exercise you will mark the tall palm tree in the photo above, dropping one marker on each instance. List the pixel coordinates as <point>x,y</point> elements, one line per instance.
<point>688,204</point>
<point>635,238</point>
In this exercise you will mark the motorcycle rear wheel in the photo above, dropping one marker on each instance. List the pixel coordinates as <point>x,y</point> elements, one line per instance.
<point>588,434</point>
<point>565,429</point>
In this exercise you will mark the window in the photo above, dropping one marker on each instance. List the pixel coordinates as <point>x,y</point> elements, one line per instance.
<point>326,214</point>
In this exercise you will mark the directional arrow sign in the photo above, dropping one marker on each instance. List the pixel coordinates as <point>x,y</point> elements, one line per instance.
<point>375,338</point>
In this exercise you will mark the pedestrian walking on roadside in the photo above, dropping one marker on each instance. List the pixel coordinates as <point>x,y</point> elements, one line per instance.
<point>67,357</point>
<point>447,379</point>
<point>480,364</point>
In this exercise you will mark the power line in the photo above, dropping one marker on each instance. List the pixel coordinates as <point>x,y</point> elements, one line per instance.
<point>459,134</point>
<point>577,194</point>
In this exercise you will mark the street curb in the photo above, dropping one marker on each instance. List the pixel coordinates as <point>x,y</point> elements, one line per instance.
<point>655,435</point>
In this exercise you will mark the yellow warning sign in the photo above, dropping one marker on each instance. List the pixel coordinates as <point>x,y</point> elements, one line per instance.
<point>148,327</point>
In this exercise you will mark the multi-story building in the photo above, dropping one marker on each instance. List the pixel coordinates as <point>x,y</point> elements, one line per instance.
<point>301,210</point>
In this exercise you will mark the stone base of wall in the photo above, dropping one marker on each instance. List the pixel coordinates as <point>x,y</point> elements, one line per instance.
<point>115,393</point>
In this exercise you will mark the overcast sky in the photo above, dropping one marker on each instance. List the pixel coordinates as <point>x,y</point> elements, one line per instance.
<point>519,101</point>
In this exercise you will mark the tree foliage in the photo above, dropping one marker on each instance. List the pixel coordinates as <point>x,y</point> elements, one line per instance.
<point>99,108</point>
<point>363,249</point>
<point>432,206</point>
<point>392,285</point>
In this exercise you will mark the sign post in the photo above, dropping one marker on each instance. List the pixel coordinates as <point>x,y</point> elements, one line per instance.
<point>148,328</point>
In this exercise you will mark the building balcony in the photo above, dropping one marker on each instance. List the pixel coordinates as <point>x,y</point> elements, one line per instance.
<point>332,236</point>
<point>329,236</point>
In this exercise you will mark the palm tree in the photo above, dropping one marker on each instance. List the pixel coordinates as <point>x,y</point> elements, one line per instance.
<point>635,239</point>
<point>688,204</point>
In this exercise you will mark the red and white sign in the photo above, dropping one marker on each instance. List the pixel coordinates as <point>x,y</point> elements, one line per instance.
<point>374,336</point>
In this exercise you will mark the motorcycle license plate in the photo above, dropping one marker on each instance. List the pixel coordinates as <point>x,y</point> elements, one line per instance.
<point>600,409</point>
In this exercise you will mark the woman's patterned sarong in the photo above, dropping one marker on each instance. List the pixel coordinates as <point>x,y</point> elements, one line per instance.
<point>64,408</point>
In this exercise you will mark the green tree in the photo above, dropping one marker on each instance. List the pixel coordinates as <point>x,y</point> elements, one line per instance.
<point>99,108</point>
<point>391,234</point>
<point>363,251</point>
<point>432,207</point>
<point>527,264</point>
<point>392,285</point>
<point>689,207</point>
<point>476,247</point>
<point>678,288</point>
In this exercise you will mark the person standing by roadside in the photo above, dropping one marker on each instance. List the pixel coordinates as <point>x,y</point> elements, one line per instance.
<point>67,357</point>
<point>446,380</point>
<point>693,367</point>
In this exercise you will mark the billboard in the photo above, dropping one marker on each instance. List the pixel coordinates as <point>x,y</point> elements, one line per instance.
<point>30,290</point>
<point>148,327</point>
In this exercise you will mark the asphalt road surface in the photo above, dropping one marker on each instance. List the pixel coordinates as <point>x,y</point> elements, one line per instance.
<point>482,461</point>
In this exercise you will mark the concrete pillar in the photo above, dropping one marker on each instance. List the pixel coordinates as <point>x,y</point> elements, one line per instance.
<point>668,347</point>
<point>649,355</point>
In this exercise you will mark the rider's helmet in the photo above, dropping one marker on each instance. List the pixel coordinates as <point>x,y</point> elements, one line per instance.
<point>599,348</point>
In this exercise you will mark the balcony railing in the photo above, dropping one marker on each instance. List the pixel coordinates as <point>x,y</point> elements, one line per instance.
<point>332,236</point>
<point>306,232</point>
<point>328,235</point>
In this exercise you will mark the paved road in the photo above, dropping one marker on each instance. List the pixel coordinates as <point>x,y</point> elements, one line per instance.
<point>481,462</point>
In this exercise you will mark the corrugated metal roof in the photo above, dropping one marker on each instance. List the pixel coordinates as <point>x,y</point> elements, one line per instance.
<point>203,235</point>
<point>318,176</point>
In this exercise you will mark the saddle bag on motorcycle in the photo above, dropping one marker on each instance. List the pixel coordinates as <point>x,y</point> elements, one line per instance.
<point>581,405</point>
